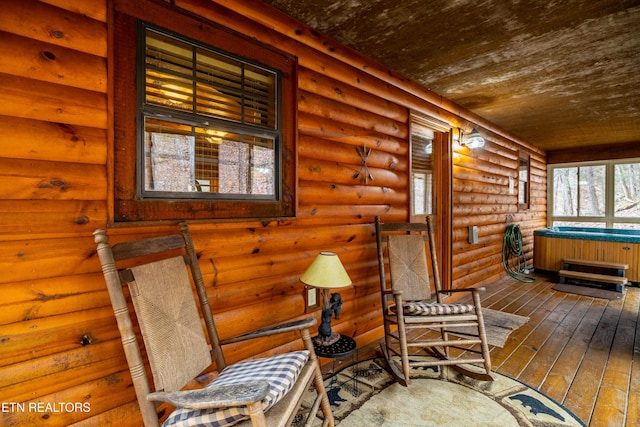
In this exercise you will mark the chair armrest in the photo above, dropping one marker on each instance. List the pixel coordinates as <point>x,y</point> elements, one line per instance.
<point>392,292</point>
<point>397,298</point>
<point>451,291</point>
<point>296,325</point>
<point>214,397</point>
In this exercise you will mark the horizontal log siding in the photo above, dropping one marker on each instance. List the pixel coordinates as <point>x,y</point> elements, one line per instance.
<point>481,198</point>
<point>58,337</point>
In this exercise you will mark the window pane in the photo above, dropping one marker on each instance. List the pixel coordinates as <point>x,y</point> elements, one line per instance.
<point>565,192</point>
<point>247,168</point>
<point>169,160</point>
<point>592,190</point>
<point>259,97</point>
<point>422,170</point>
<point>523,178</point>
<point>183,76</point>
<point>233,90</point>
<point>182,158</point>
<point>168,72</point>
<point>422,194</point>
<point>627,184</point>
<point>219,86</point>
<point>523,181</point>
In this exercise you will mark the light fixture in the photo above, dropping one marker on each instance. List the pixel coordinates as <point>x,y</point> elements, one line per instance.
<point>474,140</point>
<point>327,272</point>
<point>428,149</point>
<point>214,136</point>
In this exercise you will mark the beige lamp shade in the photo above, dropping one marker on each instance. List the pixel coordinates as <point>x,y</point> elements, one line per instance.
<point>326,271</point>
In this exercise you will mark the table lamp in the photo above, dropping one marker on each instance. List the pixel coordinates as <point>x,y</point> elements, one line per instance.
<point>327,272</point>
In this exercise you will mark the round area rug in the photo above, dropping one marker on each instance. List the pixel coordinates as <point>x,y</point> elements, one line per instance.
<point>366,395</point>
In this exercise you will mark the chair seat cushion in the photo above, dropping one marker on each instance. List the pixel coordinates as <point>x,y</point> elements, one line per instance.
<point>280,371</point>
<point>420,308</point>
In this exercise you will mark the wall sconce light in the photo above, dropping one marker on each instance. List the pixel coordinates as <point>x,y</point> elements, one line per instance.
<point>428,149</point>
<point>474,140</point>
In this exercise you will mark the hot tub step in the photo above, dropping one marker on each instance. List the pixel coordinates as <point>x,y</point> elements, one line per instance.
<point>592,277</point>
<point>589,263</point>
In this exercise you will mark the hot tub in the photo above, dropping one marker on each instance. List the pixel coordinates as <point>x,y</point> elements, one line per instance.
<point>553,244</point>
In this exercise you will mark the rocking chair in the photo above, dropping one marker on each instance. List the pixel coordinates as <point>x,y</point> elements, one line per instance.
<point>411,313</point>
<point>261,392</point>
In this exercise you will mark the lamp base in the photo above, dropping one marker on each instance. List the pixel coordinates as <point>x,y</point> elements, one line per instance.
<point>325,340</point>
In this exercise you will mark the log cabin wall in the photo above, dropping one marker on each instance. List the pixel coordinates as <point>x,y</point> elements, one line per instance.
<point>58,337</point>
<point>485,194</point>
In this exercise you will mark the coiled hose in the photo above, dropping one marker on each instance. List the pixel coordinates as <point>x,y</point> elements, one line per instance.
<point>513,257</point>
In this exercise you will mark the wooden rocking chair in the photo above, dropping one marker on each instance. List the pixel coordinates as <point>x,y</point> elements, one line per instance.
<point>411,312</point>
<point>261,392</point>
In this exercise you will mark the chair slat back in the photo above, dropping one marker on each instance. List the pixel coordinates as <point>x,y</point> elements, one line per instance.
<point>408,266</point>
<point>168,317</point>
<point>416,237</point>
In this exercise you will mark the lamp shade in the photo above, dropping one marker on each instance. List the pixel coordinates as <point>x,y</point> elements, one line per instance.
<point>326,271</point>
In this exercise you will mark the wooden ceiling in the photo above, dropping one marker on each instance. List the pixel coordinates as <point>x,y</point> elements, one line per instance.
<point>559,75</point>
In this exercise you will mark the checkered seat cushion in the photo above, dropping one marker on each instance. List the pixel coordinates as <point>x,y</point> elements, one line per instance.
<point>420,308</point>
<point>280,371</point>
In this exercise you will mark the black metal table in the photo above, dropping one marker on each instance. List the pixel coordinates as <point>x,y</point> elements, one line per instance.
<point>345,346</point>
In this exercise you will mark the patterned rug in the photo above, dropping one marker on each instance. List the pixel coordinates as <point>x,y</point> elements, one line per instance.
<point>366,395</point>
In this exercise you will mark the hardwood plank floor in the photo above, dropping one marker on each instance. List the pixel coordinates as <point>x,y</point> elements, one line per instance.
<point>581,351</point>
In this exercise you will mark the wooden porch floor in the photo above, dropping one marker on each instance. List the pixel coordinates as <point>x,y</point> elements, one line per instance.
<point>577,350</point>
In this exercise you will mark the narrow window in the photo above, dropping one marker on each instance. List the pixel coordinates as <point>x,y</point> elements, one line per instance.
<point>428,140</point>
<point>422,144</point>
<point>524,186</point>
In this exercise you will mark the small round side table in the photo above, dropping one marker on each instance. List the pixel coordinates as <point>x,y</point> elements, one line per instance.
<point>344,347</point>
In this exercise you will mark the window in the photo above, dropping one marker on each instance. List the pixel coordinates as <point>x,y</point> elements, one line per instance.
<point>430,177</point>
<point>213,135</point>
<point>600,194</point>
<point>524,186</point>
<point>429,141</point>
<point>422,144</point>
<point>210,122</point>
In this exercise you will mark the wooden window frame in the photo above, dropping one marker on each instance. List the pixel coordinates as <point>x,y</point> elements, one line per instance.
<point>442,188</point>
<point>440,145</point>
<point>128,205</point>
<point>526,157</point>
